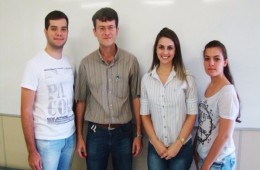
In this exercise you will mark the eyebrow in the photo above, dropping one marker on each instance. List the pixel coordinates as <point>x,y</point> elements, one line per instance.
<point>172,45</point>
<point>212,56</point>
<point>54,26</point>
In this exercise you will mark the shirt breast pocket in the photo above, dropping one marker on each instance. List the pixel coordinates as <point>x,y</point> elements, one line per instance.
<point>121,87</point>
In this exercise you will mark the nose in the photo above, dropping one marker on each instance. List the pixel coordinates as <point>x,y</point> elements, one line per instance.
<point>165,51</point>
<point>59,32</point>
<point>211,62</point>
<point>107,30</point>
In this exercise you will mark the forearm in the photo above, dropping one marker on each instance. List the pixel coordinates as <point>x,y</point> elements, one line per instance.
<point>27,102</point>
<point>225,132</point>
<point>80,112</point>
<point>28,131</point>
<point>148,126</point>
<point>136,109</point>
<point>215,150</point>
<point>187,127</point>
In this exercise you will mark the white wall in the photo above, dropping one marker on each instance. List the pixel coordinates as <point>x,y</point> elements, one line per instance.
<point>235,22</point>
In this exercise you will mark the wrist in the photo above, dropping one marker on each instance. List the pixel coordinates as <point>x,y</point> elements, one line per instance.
<point>139,135</point>
<point>181,139</point>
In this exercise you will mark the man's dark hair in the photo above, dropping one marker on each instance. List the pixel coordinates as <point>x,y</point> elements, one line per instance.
<point>105,14</point>
<point>55,15</point>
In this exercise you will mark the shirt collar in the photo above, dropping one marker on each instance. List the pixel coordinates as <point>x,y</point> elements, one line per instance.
<point>156,76</point>
<point>114,60</point>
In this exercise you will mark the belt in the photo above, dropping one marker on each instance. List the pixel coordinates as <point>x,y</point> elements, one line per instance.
<point>108,126</point>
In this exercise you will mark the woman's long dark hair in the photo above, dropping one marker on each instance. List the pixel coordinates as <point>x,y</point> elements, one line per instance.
<point>227,73</point>
<point>177,61</point>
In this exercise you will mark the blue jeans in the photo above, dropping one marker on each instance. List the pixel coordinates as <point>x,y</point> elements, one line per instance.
<point>182,161</point>
<point>227,163</point>
<point>101,142</point>
<point>57,154</point>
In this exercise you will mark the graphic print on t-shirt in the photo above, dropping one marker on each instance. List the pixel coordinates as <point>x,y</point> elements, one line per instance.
<point>60,95</point>
<point>205,120</point>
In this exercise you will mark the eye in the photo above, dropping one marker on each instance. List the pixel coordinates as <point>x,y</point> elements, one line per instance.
<point>64,29</point>
<point>111,27</point>
<point>53,28</point>
<point>170,48</point>
<point>206,58</point>
<point>161,47</point>
<point>217,59</point>
<point>101,29</point>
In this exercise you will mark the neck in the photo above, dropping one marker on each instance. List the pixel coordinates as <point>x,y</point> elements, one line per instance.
<point>165,69</point>
<point>55,53</point>
<point>108,53</point>
<point>219,80</point>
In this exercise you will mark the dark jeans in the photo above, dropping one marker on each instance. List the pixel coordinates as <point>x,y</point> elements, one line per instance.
<point>101,142</point>
<point>182,161</point>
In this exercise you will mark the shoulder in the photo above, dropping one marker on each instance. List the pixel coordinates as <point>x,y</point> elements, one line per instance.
<point>189,74</point>
<point>125,53</point>
<point>190,77</point>
<point>147,76</point>
<point>228,89</point>
<point>90,57</point>
<point>37,60</point>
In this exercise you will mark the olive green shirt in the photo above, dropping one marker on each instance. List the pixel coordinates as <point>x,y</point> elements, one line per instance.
<point>108,89</point>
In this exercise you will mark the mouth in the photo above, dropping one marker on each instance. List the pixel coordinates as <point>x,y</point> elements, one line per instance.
<point>58,39</point>
<point>165,57</point>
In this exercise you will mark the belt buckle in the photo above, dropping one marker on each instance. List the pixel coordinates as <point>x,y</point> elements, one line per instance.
<point>110,128</point>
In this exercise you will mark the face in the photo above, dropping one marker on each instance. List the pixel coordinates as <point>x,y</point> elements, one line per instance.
<point>214,62</point>
<point>165,51</point>
<point>57,33</point>
<point>106,32</point>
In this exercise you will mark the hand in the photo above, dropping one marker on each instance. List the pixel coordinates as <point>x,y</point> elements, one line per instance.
<point>160,148</point>
<point>205,167</point>
<point>137,146</point>
<point>81,148</point>
<point>35,160</point>
<point>172,151</point>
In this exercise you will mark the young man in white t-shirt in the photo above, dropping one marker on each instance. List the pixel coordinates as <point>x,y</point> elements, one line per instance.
<point>47,100</point>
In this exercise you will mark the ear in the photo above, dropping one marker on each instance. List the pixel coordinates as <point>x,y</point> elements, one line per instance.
<point>225,62</point>
<point>117,30</point>
<point>95,32</point>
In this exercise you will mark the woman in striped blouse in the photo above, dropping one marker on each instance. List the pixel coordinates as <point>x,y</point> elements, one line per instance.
<point>168,106</point>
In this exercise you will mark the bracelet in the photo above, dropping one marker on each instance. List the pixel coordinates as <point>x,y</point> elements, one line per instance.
<point>182,140</point>
<point>139,136</point>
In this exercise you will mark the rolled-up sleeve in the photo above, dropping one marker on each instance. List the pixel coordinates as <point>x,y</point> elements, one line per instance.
<point>144,98</point>
<point>192,96</point>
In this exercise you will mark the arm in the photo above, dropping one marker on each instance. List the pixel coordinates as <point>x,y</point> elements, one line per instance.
<point>191,98</point>
<point>80,112</point>
<point>184,133</point>
<point>27,102</point>
<point>137,143</point>
<point>226,127</point>
<point>160,148</point>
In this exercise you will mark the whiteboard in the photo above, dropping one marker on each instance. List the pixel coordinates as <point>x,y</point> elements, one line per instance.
<point>234,22</point>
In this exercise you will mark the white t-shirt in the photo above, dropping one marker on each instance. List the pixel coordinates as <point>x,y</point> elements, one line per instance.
<point>223,104</point>
<point>53,81</point>
<point>168,104</point>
